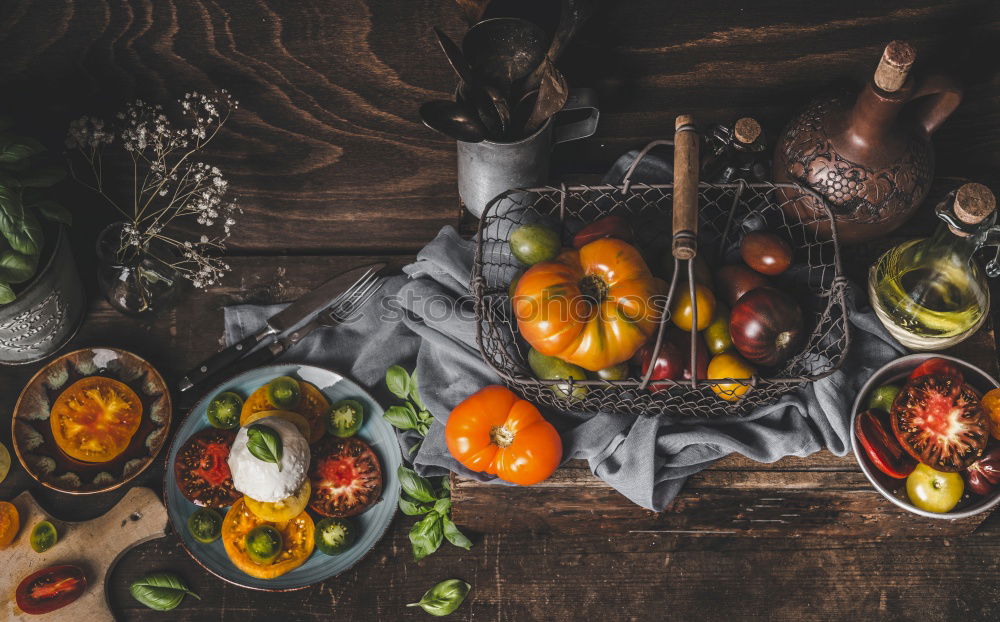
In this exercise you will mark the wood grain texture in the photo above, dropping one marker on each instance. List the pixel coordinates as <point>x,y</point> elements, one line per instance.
<point>327,151</point>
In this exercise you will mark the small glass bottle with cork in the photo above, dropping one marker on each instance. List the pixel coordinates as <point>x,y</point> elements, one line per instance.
<point>930,293</point>
<point>736,152</point>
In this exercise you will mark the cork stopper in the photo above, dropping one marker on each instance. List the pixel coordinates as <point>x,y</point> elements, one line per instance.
<point>974,203</point>
<point>898,57</point>
<point>746,130</point>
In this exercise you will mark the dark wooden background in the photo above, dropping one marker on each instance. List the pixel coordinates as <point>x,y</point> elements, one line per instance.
<point>333,167</point>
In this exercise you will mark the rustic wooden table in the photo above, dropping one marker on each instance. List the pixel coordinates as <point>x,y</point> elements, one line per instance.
<point>334,169</point>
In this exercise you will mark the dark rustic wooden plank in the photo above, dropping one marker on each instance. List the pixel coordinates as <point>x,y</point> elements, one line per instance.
<point>327,151</point>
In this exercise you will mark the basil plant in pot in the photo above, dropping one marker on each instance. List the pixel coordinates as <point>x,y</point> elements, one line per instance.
<point>41,295</point>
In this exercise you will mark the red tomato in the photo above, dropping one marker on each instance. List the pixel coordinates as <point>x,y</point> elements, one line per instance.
<point>883,450</point>
<point>50,589</point>
<point>607,227</point>
<point>494,431</point>
<point>937,367</point>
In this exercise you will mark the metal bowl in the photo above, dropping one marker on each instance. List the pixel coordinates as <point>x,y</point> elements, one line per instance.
<point>894,373</point>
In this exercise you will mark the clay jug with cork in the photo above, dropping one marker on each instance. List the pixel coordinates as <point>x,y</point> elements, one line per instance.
<point>870,158</point>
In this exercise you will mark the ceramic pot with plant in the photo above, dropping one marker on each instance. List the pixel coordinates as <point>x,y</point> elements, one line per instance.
<point>176,211</point>
<point>41,296</point>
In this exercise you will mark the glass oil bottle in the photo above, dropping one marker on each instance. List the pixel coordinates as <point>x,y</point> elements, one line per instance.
<point>930,293</point>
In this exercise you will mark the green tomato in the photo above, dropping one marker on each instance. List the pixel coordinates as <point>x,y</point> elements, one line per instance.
<point>552,368</point>
<point>335,535</point>
<point>934,491</point>
<point>224,410</point>
<point>4,462</point>
<point>345,418</point>
<point>284,392</point>
<point>264,544</point>
<point>883,397</point>
<point>615,372</point>
<point>43,536</point>
<point>533,244</point>
<point>205,525</point>
<point>717,336</point>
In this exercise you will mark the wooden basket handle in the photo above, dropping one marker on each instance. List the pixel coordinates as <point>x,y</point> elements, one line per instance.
<point>685,210</point>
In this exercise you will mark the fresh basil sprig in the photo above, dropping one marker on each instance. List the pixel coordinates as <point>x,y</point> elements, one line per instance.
<point>443,598</point>
<point>161,591</point>
<point>412,415</point>
<point>264,444</point>
<point>421,497</point>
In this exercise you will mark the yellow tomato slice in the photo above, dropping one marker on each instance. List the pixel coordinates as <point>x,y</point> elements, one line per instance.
<point>95,418</point>
<point>313,406</point>
<point>297,535</point>
<point>991,402</point>
<point>284,510</point>
<point>295,419</point>
<point>10,522</point>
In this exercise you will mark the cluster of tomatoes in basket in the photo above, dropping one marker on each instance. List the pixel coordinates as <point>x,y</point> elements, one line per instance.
<point>935,432</point>
<point>589,311</point>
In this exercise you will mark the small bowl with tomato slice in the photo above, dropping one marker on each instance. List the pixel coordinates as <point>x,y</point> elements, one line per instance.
<point>926,438</point>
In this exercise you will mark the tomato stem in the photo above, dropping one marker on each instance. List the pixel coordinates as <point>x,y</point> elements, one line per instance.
<point>594,287</point>
<point>501,436</point>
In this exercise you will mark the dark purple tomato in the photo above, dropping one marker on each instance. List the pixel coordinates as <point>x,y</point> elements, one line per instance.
<point>766,252</point>
<point>766,326</point>
<point>668,364</point>
<point>607,227</point>
<point>732,282</point>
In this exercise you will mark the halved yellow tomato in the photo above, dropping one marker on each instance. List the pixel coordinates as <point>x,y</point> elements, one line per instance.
<point>295,419</point>
<point>10,522</point>
<point>313,406</point>
<point>298,538</point>
<point>95,418</point>
<point>284,510</point>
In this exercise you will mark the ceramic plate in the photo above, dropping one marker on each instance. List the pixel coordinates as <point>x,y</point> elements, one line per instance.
<point>33,442</point>
<point>372,523</point>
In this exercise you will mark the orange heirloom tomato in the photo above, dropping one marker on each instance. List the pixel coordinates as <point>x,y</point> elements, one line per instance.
<point>494,431</point>
<point>10,522</point>
<point>95,418</point>
<point>590,307</point>
<point>298,539</point>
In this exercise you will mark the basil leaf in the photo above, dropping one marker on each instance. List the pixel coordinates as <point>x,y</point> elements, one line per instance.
<point>415,486</point>
<point>400,417</point>
<point>17,149</point>
<point>455,536</point>
<point>16,267</point>
<point>415,391</point>
<point>161,591</point>
<point>398,381</point>
<point>445,486</point>
<point>264,444</point>
<point>443,598</point>
<point>412,508</point>
<point>426,535</point>
<point>442,506</point>
<point>6,293</point>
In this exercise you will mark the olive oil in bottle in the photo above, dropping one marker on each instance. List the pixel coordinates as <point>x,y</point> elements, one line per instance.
<point>930,293</point>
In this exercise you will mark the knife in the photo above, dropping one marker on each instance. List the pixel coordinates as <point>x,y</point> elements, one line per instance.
<point>300,310</point>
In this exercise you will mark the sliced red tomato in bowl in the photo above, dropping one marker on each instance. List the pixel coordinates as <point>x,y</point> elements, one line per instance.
<point>883,450</point>
<point>937,367</point>
<point>346,477</point>
<point>202,471</point>
<point>940,421</point>
<point>50,589</point>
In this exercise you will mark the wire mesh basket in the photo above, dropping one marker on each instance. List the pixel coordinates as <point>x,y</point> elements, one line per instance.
<point>722,211</point>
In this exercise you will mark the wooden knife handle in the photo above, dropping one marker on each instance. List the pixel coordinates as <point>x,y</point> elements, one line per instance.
<point>685,210</point>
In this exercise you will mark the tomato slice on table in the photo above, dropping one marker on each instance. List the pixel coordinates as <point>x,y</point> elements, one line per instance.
<point>883,450</point>
<point>95,418</point>
<point>50,589</point>
<point>202,471</point>
<point>346,477</point>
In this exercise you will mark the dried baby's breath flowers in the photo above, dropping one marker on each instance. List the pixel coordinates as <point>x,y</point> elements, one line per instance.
<point>168,184</point>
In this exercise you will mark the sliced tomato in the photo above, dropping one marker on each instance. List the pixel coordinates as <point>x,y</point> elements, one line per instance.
<point>50,589</point>
<point>883,450</point>
<point>202,470</point>
<point>346,477</point>
<point>937,367</point>
<point>940,421</point>
<point>95,418</point>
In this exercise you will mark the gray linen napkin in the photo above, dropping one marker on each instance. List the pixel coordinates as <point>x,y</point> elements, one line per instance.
<point>426,319</point>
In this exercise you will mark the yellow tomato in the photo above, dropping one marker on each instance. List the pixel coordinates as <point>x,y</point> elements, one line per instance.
<point>313,405</point>
<point>297,536</point>
<point>284,510</point>
<point>681,311</point>
<point>95,418</point>
<point>10,522</point>
<point>991,402</point>
<point>729,365</point>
